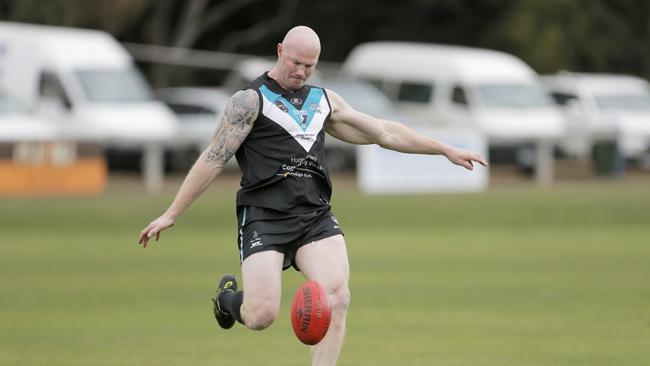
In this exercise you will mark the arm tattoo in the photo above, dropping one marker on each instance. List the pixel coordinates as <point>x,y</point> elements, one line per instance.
<point>236,122</point>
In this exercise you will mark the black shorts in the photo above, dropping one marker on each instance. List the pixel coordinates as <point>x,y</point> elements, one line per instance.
<point>261,229</point>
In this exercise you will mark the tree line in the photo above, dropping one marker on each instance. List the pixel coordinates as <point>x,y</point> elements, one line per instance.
<point>577,35</point>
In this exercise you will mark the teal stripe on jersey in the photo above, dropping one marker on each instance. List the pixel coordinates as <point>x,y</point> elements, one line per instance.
<point>303,116</point>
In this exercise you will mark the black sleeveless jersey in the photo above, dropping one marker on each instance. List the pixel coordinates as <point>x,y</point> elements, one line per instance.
<point>283,159</point>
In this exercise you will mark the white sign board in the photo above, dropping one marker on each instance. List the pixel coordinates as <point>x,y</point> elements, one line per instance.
<point>384,171</point>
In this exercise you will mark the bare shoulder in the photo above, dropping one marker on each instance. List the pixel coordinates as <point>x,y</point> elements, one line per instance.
<point>236,123</point>
<point>334,98</point>
<point>337,103</point>
<point>242,107</point>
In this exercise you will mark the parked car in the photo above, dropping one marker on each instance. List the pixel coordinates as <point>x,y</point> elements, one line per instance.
<point>601,108</point>
<point>198,110</point>
<point>453,86</point>
<point>89,82</point>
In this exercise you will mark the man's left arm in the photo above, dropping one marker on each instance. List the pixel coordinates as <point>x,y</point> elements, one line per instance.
<point>355,127</point>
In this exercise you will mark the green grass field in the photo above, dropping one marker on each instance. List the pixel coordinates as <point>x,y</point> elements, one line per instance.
<point>514,276</point>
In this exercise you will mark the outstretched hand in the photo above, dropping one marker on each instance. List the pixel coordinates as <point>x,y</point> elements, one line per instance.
<point>154,228</point>
<point>464,158</point>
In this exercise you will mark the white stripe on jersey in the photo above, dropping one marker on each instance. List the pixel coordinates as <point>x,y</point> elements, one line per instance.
<point>305,138</point>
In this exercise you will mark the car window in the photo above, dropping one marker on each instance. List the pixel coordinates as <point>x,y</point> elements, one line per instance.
<point>515,95</point>
<point>181,108</point>
<point>623,102</point>
<point>374,82</point>
<point>415,92</point>
<point>50,86</point>
<point>458,96</point>
<point>114,86</point>
<point>563,98</point>
<point>389,88</point>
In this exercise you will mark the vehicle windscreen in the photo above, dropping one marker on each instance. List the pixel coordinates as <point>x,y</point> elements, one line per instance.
<point>9,104</point>
<point>513,96</point>
<point>363,97</point>
<point>114,86</point>
<point>624,102</point>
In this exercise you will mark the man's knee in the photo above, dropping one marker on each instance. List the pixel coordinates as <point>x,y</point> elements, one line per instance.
<point>339,297</point>
<point>260,315</point>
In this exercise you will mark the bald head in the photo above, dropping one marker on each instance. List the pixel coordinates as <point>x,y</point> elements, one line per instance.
<point>302,38</point>
<point>297,57</point>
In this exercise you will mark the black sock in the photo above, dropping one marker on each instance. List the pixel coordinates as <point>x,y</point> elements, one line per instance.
<point>231,302</point>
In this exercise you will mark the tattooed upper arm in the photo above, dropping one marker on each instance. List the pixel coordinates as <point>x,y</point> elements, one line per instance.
<point>236,123</point>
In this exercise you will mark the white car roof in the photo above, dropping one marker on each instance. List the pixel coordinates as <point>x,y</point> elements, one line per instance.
<point>69,47</point>
<point>419,60</point>
<point>597,83</point>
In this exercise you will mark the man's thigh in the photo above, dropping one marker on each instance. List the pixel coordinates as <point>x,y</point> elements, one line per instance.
<point>325,260</point>
<point>262,278</point>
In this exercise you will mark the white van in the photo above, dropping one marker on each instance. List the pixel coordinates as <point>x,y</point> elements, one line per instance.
<point>601,107</point>
<point>84,79</point>
<point>453,86</point>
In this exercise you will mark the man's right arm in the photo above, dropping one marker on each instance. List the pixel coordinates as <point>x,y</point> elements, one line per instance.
<point>236,123</point>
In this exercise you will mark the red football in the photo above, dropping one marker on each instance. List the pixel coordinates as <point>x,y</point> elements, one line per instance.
<point>310,313</point>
